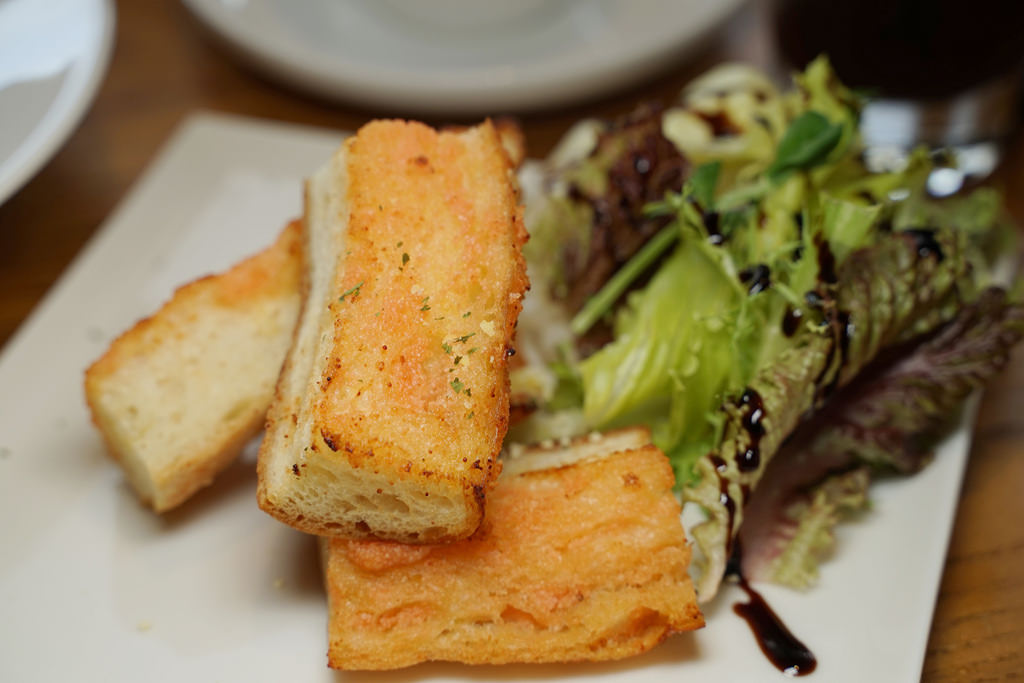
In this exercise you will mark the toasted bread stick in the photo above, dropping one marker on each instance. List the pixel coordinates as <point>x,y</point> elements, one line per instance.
<point>587,561</point>
<point>393,402</point>
<point>178,395</point>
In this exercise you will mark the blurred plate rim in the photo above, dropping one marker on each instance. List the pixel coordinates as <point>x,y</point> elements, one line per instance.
<point>69,105</point>
<point>585,69</point>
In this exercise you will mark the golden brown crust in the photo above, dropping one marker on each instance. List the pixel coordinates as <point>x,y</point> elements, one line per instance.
<point>584,562</point>
<point>137,386</point>
<point>513,140</point>
<point>410,396</point>
<point>428,278</point>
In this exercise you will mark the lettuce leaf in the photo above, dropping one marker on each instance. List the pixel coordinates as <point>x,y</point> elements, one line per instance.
<point>888,420</point>
<point>892,414</point>
<point>669,362</point>
<point>591,221</point>
<point>880,292</point>
<point>716,309</point>
<point>731,271</point>
<point>792,517</point>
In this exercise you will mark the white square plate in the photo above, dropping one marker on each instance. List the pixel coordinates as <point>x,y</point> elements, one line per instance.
<point>94,587</point>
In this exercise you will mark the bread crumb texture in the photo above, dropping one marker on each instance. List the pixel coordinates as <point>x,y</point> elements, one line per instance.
<point>395,399</point>
<point>178,396</point>
<point>427,301</point>
<point>584,562</point>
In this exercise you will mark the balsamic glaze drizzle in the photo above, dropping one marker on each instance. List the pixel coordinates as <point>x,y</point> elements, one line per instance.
<point>757,278</point>
<point>723,494</point>
<point>780,646</point>
<point>927,245</point>
<point>713,227</point>
<point>791,321</point>
<point>753,413</point>
<point>826,261</point>
<point>783,649</point>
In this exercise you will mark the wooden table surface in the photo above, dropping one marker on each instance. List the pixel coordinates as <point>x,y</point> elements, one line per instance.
<point>165,66</point>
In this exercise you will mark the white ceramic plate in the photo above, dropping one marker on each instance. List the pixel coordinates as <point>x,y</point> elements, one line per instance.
<point>53,55</point>
<point>93,587</point>
<point>461,56</point>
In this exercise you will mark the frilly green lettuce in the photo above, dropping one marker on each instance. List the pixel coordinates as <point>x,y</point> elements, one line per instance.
<point>888,420</point>
<point>765,283</point>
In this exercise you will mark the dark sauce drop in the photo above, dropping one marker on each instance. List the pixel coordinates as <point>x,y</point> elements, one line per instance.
<point>712,225</point>
<point>749,460</point>
<point>723,493</point>
<point>752,421</point>
<point>757,278</point>
<point>927,245</point>
<point>727,502</point>
<point>815,300</point>
<point>798,220</point>
<point>753,414</point>
<point>783,649</point>
<point>780,646</point>
<point>791,321</point>
<point>826,262</point>
<point>730,507</point>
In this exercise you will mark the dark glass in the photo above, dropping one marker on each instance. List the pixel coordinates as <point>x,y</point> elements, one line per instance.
<point>912,49</point>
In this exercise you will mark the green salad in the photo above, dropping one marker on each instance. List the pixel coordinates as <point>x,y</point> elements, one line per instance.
<point>789,324</point>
